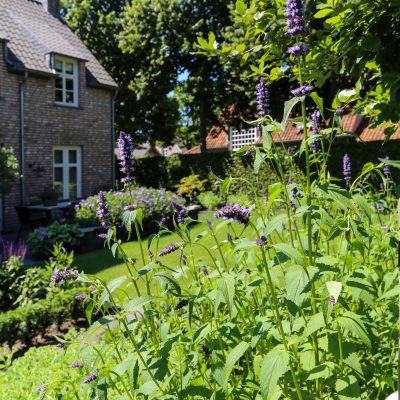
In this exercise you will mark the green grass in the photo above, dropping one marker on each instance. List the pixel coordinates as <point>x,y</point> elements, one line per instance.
<point>102,263</point>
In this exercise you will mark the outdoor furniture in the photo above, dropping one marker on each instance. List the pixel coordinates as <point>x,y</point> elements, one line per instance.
<point>29,219</point>
<point>52,212</point>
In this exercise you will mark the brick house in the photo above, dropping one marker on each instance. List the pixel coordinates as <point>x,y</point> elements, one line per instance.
<point>56,106</point>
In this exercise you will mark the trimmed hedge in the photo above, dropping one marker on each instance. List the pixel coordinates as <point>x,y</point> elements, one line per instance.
<point>168,171</point>
<point>26,322</point>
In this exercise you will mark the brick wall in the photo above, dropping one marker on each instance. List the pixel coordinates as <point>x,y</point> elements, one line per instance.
<point>48,125</point>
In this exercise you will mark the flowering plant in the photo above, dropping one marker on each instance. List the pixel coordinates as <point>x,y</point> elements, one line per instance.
<point>154,203</point>
<point>293,297</point>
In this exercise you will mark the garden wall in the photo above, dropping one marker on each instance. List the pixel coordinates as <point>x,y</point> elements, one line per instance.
<point>167,172</point>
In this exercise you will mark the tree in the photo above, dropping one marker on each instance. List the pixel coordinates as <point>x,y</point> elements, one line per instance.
<point>144,106</point>
<point>155,29</point>
<point>8,170</point>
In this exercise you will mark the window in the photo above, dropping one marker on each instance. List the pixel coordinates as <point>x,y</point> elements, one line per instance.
<point>66,82</point>
<point>67,172</point>
<point>241,138</point>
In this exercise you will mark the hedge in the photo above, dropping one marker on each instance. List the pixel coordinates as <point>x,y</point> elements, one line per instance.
<point>167,171</point>
<point>26,322</point>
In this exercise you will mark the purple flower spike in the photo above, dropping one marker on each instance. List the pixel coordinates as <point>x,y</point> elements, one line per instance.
<point>249,151</point>
<point>263,99</point>
<point>235,212</point>
<point>347,170</point>
<point>76,364</point>
<point>180,212</point>
<point>386,168</point>
<point>131,207</point>
<point>331,301</point>
<point>102,211</point>
<point>169,249</point>
<point>263,241</point>
<point>302,90</point>
<point>339,111</point>
<point>91,377</point>
<point>61,277</point>
<point>297,49</point>
<point>127,163</point>
<point>81,297</point>
<point>295,17</point>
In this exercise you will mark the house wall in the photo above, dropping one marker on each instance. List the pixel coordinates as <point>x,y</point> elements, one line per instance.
<point>47,125</point>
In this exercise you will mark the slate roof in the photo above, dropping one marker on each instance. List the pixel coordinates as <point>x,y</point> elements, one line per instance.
<point>33,34</point>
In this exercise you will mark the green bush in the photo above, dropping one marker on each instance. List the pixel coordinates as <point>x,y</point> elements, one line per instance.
<point>190,186</point>
<point>24,323</point>
<point>43,239</point>
<point>241,199</point>
<point>155,204</point>
<point>209,200</point>
<point>38,365</point>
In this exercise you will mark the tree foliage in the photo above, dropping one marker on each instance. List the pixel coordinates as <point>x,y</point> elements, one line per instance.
<point>8,170</point>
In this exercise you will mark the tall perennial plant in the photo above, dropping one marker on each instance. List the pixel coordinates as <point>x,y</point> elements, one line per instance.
<point>294,297</point>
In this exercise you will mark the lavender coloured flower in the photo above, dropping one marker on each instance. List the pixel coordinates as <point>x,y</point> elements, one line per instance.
<point>249,151</point>
<point>91,377</point>
<point>81,297</point>
<point>347,169</point>
<point>378,208</point>
<point>76,364</point>
<point>339,111</point>
<point>41,388</point>
<point>180,212</point>
<point>316,146</point>
<point>127,163</point>
<point>295,17</point>
<point>302,90</point>
<point>163,221</point>
<point>63,276</point>
<point>262,241</point>
<point>235,212</point>
<point>60,345</point>
<point>386,168</point>
<point>297,49</point>
<point>263,99</point>
<point>331,301</point>
<point>93,290</point>
<point>169,249</point>
<point>315,118</point>
<point>131,207</point>
<point>205,271</point>
<point>102,211</point>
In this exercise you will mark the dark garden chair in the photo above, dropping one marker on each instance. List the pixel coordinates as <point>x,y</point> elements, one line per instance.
<point>30,219</point>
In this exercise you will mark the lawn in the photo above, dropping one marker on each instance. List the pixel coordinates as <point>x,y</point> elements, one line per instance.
<point>102,263</point>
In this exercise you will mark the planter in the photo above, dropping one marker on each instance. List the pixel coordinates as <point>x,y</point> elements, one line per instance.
<point>50,203</point>
<point>90,240</point>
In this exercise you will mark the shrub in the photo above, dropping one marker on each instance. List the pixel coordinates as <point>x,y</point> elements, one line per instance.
<point>209,200</point>
<point>155,204</point>
<point>25,322</point>
<point>241,199</point>
<point>190,186</point>
<point>11,272</point>
<point>8,170</point>
<point>43,239</point>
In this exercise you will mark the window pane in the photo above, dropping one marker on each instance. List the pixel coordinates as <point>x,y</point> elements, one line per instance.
<point>69,97</point>
<point>73,157</point>
<point>59,83</point>
<point>69,68</point>
<point>69,84</point>
<point>59,96</point>
<point>58,157</point>
<point>58,65</point>
<point>58,179</point>
<point>73,182</point>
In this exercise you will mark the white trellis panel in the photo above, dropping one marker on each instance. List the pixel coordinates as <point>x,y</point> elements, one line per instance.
<point>242,137</point>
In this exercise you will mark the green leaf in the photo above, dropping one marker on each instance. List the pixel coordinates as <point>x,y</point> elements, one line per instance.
<point>226,285</point>
<point>233,357</point>
<point>296,279</point>
<point>315,323</point>
<point>323,13</point>
<point>355,325</point>
<point>391,293</point>
<point>354,362</point>
<point>111,287</point>
<point>135,304</point>
<point>289,107</point>
<point>319,101</point>
<point>291,252</point>
<point>324,371</point>
<point>348,388</point>
<point>274,365</point>
<point>128,218</point>
<point>170,281</point>
<point>334,289</point>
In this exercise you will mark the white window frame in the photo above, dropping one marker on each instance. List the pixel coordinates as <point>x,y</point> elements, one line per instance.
<point>243,137</point>
<point>65,165</point>
<point>64,76</point>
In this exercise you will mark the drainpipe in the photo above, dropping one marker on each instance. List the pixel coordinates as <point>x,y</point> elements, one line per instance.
<point>22,135</point>
<point>113,138</point>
